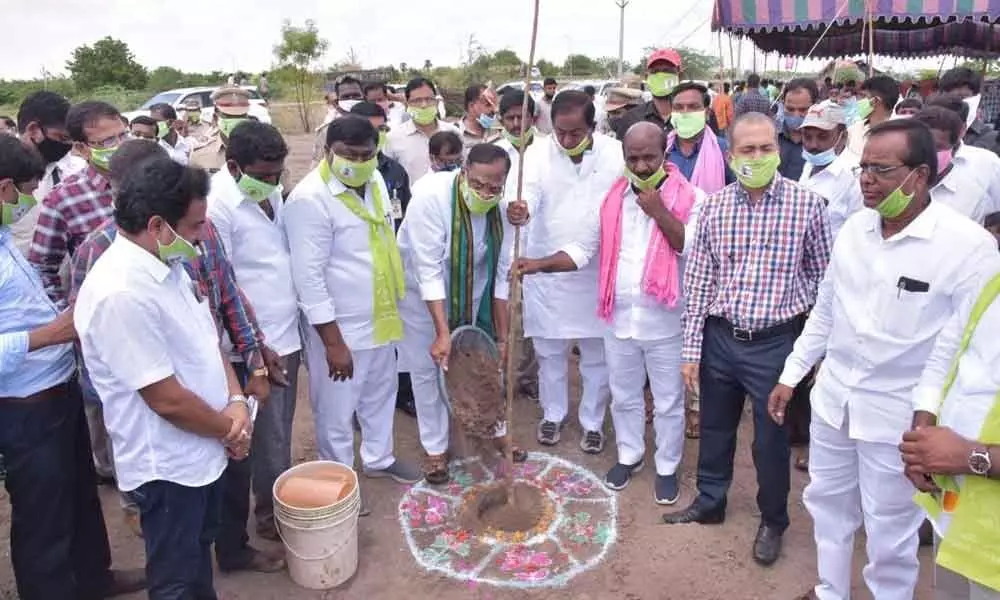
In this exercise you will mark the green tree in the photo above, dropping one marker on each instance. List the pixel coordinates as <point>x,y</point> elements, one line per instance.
<point>109,62</point>
<point>547,68</point>
<point>165,78</point>
<point>298,52</point>
<point>579,65</point>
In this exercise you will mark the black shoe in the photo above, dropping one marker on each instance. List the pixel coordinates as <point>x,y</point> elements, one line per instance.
<point>620,475</point>
<point>404,395</point>
<point>695,513</point>
<point>665,490</point>
<point>406,405</point>
<point>767,545</point>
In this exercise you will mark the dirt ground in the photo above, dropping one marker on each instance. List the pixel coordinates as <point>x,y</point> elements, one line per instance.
<point>649,561</point>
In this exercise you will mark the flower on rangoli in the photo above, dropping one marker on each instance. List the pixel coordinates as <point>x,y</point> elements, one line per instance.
<point>437,511</point>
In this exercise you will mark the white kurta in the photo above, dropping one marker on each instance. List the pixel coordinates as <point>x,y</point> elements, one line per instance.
<point>425,243</point>
<point>839,186</point>
<point>561,197</point>
<point>332,269</point>
<point>972,186</point>
<point>876,320</point>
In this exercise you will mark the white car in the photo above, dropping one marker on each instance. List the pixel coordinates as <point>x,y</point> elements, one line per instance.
<point>176,98</point>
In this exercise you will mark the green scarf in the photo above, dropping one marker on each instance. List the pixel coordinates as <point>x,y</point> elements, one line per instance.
<point>461,294</point>
<point>969,545</point>
<point>388,285</point>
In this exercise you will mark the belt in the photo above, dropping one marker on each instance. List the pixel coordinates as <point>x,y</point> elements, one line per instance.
<point>57,391</point>
<point>793,326</point>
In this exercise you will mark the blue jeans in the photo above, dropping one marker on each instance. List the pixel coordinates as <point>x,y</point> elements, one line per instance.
<point>730,371</point>
<point>58,540</point>
<point>179,526</point>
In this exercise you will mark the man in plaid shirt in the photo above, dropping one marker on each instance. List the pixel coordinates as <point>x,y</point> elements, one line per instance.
<point>760,250</point>
<point>232,312</point>
<point>83,202</point>
<point>752,100</point>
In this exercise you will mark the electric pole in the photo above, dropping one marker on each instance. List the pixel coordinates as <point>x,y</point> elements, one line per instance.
<point>621,36</point>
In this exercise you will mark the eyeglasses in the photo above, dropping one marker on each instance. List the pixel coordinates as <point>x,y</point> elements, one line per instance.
<point>111,142</point>
<point>486,188</point>
<point>421,102</point>
<point>875,170</point>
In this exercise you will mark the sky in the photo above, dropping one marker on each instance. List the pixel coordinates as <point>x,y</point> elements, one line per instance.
<point>229,35</point>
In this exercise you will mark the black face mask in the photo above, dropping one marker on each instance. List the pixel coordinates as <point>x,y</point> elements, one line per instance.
<point>52,150</point>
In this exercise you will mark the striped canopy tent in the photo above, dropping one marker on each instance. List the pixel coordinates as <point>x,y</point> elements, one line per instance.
<point>900,28</point>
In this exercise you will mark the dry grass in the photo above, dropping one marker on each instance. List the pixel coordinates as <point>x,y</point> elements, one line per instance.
<point>285,116</point>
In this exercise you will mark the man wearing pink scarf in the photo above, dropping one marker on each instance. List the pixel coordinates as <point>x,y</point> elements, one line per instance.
<point>694,148</point>
<point>639,235</point>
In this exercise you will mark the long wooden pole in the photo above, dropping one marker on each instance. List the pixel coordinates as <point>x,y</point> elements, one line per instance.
<point>514,297</point>
<point>871,39</point>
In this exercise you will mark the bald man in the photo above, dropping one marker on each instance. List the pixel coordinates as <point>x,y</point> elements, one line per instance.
<point>638,237</point>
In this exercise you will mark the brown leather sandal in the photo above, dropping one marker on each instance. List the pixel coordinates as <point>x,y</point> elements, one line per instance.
<point>436,469</point>
<point>692,429</point>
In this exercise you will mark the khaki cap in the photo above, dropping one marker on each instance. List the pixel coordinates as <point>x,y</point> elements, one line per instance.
<point>232,100</point>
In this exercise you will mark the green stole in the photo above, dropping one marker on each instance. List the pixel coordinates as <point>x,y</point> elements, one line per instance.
<point>970,544</point>
<point>461,293</point>
<point>388,285</point>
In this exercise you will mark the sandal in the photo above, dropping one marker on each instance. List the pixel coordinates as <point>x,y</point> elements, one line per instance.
<point>802,461</point>
<point>692,429</point>
<point>436,469</point>
<point>520,454</point>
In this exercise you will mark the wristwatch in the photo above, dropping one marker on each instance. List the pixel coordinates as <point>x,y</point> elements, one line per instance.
<point>261,372</point>
<point>979,461</point>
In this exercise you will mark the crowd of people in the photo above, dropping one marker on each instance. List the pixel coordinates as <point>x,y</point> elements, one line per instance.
<point>827,255</point>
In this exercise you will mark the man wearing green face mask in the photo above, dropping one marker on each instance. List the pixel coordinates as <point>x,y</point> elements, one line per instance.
<point>662,69</point>
<point>232,104</point>
<point>566,178</point>
<point>694,147</point>
<point>84,200</point>
<point>877,99</point>
<point>452,245</point>
<point>761,248</point>
<point>408,143</point>
<point>348,274</point>
<point>175,144</point>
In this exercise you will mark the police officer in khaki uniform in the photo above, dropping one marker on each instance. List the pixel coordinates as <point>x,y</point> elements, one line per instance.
<point>196,128</point>
<point>232,104</point>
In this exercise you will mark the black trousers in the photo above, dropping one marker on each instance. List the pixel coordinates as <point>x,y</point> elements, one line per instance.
<point>58,540</point>
<point>731,371</point>
<point>179,524</point>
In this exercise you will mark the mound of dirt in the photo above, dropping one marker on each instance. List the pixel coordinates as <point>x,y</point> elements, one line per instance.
<point>477,402</point>
<point>485,511</point>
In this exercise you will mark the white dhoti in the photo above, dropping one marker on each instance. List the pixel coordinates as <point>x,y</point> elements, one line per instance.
<point>629,362</point>
<point>371,394</point>
<point>853,483</point>
<point>553,380</point>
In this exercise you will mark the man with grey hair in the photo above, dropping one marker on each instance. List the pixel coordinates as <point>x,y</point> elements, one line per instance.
<point>743,315</point>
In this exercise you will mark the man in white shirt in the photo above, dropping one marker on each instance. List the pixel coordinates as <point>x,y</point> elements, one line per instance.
<point>172,405</point>
<point>176,145</point>
<point>378,93</point>
<point>637,238</point>
<point>968,177</point>
<point>829,168</point>
<point>479,124</point>
<point>897,275</point>
<point>408,143</point>
<point>566,178</point>
<point>41,121</point>
<point>446,289</point>
<point>878,96</point>
<point>952,454</point>
<point>348,275</point>
<point>515,133</point>
<point>544,114</point>
<point>245,205</point>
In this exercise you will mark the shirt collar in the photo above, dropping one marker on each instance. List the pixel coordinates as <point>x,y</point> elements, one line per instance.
<point>775,191</point>
<point>141,259</point>
<point>922,227</point>
<point>230,190</point>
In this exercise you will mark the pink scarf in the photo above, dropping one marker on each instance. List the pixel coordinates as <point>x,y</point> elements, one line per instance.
<point>661,274</point>
<point>710,169</point>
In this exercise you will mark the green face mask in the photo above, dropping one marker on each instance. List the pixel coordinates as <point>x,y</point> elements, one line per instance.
<point>162,130</point>
<point>383,139</point>
<point>194,117</point>
<point>255,189</point>
<point>101,157</point>
<point>515,141</point>
<point>476,203</point>
<point>351,173</point>
<point>865,108</point>
<point>12,213</point>
<point>179,249</point>
<point>578,150</point>
<point>755,173</point>
<point>688,124</point>
<point>661,84</point>
<point>649,183</point>
<point>227,125</point>
<point>423,116</point>
<point>896,202</point>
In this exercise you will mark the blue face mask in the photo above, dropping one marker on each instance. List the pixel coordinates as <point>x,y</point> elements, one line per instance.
<point>821,159</point>
<point>487,121</point>
<point>793,122</point>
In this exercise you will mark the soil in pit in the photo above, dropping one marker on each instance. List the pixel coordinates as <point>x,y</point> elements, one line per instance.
<point>522,512</point>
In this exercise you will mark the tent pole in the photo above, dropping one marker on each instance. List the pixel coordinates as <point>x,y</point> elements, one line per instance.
<point>871,38</point>
<point>732,63</point>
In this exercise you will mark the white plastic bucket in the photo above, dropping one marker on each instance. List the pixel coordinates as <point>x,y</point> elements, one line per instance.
<point>321,544</point>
